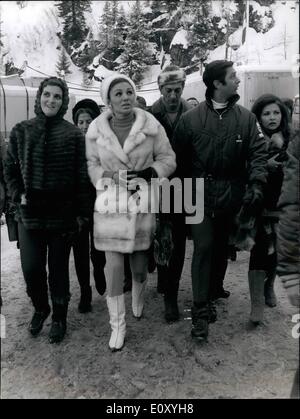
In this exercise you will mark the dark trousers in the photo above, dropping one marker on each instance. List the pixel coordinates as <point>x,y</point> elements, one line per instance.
<point>209,261</point>
<point>170,275</point>
<point>81,250</point>
<point>38,247</point>
<point>259,257</point>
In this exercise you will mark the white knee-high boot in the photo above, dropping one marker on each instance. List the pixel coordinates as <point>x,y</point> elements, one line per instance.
<point>116,308</point>
<point>138,293</point>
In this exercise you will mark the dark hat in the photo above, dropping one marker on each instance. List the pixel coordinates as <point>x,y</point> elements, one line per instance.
<point>88,105</point>
<point>171,74</point>
<point>215,71</point>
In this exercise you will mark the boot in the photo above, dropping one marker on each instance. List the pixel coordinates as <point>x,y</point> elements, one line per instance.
<point>37,321</point>
<point>84,305</point>
<point>212,312</point>
<point>270,297</point>
<point>256,286</point>
<point>59,323</point>
<point>138,294</point>
<point>116,308</point>
<point>171,307</point>
<point>200,323</point>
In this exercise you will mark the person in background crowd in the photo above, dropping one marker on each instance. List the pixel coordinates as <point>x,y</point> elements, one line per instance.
<point>46,176</point>
<point>289,105</point>
<point>220,142</point>
<point>273,118</point>
<point>83,114</point>
<point>168,110</point>
<point>128,139</point>
<point>288,232</point>
<point>141,103</point>
<point>193,102</point>
<point>2,188</point>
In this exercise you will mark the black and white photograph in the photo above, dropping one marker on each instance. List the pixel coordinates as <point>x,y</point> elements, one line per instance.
<point>149,202</point>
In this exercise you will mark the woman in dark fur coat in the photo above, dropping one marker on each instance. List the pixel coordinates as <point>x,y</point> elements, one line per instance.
<point>46,176</point>
<point>273,118</point>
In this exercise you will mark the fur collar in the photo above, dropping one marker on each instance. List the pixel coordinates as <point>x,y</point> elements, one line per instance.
<point>100,131</point>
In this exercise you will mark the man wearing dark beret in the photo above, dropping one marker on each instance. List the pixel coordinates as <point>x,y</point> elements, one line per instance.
<point>219,141</point>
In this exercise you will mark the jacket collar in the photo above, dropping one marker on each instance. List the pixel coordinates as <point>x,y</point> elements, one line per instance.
<point>159,107</point>
<point>144,124</point>
<point>231,101</point>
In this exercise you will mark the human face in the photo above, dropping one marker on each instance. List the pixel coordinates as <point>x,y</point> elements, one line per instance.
<point>271,116</point>
<point>231,84</point>
<point>83,122</point>
<point>51,100</point>
<point>122,99</point>
<point>171,94</point>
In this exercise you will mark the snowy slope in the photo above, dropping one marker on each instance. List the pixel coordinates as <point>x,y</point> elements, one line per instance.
<point>30,35</point>
<point>267,48</point>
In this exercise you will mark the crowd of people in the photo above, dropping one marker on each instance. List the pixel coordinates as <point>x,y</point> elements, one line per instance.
<point>81,187</point>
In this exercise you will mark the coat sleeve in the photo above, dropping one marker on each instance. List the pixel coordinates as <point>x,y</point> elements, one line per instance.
<point>257,153</point>
<point>95,170</point>
<point>288,235</point>
<point>12,171</point>
<point>164,157</point>
<point>181,144</point>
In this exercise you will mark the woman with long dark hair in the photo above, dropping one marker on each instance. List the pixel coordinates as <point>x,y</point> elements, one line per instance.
<point>273,119</point>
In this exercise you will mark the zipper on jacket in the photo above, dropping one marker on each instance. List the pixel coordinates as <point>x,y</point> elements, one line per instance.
<point>221,114</point>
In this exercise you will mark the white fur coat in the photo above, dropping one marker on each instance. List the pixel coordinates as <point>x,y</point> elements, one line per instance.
<point>146,145</point>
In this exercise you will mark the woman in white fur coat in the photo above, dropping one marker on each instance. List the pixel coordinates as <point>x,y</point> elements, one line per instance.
<point>125,146</point>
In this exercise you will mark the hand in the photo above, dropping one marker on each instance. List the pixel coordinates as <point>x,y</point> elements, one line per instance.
<point>253,199</point>
<point>123,178</point>
<point>273,165</point>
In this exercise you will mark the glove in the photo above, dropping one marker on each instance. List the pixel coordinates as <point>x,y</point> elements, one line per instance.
<point>253,199</point>
<point>146,174</point>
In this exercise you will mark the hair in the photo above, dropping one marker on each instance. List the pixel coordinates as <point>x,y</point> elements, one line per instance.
<point>266,100</point>
<point>116,81</point>
<point>216,70</point>
<point>288,103</point>
<point>81,111</point>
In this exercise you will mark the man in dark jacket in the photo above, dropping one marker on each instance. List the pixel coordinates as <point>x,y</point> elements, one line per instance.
<point>219,141</point>
<point>168,110</point>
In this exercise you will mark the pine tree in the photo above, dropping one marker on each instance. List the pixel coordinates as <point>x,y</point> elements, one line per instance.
<point>122,25</point>
<point>261,23</point>
<point>105,26</point>
<point>63,64</point>
<point>137,54</point>
<point>202,31</point>
<point>74,23</point>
